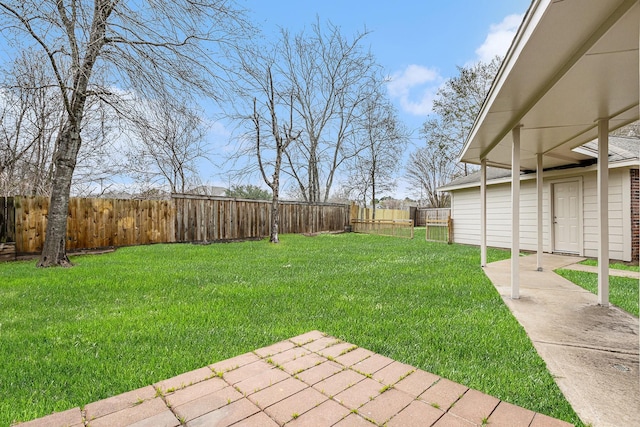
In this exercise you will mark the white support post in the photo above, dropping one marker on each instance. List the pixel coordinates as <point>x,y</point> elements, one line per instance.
<point>603,212</point>
<point>515,214</point>
<point>539,182</point>
<point>483,212</point>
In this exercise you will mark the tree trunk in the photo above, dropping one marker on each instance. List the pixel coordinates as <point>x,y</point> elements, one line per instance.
<point>54,250</point>
<point>275,217</point>
<point>314,179</point>
<point>372,175</point>
<point>373,199</point>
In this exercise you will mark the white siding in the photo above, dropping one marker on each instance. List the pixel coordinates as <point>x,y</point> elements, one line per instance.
<point>465,211</point>
<point>466,216</point>
<point>618,226</point>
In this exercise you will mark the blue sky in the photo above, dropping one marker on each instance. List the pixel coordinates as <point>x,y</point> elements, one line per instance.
<point>419,43</point>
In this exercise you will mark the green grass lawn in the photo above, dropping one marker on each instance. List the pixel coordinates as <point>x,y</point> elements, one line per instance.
<point>623,291</point>
<point>615,265</point>
<point>120,321</point>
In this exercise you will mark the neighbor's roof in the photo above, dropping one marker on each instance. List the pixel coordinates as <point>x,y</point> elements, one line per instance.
<point>570,64</point>
<point>621,151</point>
<point>621,148</point>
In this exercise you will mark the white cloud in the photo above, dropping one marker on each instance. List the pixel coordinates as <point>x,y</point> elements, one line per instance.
<point>415,88</point>
<point>499,38</point>
<point>219,129</point>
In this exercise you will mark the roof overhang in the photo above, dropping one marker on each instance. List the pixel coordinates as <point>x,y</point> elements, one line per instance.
<point>571,63</point>
<point>553,173</point>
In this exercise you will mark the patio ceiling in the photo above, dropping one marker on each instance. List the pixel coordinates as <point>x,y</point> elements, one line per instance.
<point>571,63</point>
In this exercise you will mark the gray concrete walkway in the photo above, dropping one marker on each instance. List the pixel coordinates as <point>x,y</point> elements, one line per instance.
<point>592,351</point>
<point>612,272</point>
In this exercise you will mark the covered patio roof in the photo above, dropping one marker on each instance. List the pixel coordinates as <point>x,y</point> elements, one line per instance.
<point>570,75</point>
<point>571,63</point>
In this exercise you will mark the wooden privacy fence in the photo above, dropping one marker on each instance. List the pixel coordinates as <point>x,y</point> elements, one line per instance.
<point>388,222</point>
<point>99,223</point>
<point>438,224</point>
<point>96,223</point>
<point>424,214</point>
<point>386,227</point>
<point>200,218</point>
<point>367,213</point>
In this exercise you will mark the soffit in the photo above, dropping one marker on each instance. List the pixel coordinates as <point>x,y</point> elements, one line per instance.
<point>571,63</point>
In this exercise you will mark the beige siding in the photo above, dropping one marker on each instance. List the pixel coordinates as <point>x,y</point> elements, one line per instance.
<point>499,208</point>
<point>466,214</point>
<point>465,211</point>
<point>619,222</point>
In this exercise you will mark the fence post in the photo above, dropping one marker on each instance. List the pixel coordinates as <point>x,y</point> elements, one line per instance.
<point>450,229</point>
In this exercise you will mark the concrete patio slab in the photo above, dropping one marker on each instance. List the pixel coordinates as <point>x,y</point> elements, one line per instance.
<point>592,351</point>
<point>252,390</point>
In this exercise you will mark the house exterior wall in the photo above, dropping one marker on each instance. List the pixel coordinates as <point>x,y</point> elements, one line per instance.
<point>635,214</point>
<point>465,211</point>
<point>619,216</point>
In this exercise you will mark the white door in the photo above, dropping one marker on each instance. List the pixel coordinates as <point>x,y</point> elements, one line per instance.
<point>566,217</point>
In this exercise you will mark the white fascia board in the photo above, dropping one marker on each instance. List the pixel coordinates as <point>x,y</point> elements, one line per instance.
<point>531,20</point>
<point>546,175</point>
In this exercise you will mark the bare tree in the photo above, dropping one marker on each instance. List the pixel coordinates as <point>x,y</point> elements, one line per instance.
<point>282,139</point>
<point>268,127</point>
<point>329,76</point>
<point>144,46</point>
<point>455,108</point>
<point>383,139</point>
<point>99,161</point>
<point>168,143</point>
<point>433,165</point>
<point>427,169</point>
<point>29,120</point>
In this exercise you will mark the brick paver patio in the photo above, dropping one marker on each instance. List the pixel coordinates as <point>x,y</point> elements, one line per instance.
<point>308,380</point>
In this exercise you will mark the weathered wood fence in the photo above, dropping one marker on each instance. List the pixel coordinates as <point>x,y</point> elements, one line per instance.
<point>201,218</point>
<point>100,223</point>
